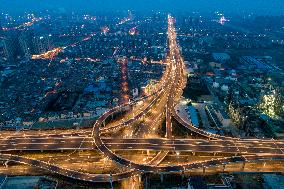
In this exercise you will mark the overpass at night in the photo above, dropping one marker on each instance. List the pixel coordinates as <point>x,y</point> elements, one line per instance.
<point>149,112</point>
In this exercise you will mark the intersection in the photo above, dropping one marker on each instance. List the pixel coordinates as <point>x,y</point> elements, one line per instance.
<point>148,113</point>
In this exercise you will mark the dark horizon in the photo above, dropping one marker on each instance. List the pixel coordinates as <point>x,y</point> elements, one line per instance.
<point>259,7</point>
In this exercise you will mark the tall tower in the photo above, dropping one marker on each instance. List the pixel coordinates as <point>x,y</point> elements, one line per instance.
<point>41,44</point>
<point>1,41</point>
<point>11,45</point>
<point>25,41</point>
<point>1,30</point>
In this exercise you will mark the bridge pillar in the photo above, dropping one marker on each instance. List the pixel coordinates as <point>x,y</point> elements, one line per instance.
<point>146,182</point>
<point>204,168</point>
<point>104,123</point>
<point>148,152</point>
<point>224,167</point>
<point>214,153</point>
<point>110,180</point>
<point>41,151</point>
<point>162,177</point>
<point>193,153</point>
<point>6,164</point>
<point>188,183</point>
<point>182,175</point>
<point>243,166</point>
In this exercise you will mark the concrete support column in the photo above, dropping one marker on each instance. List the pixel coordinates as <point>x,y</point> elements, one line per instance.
<point>148,152</point>
<point>6,164</point>
<point>243,166</point>
<point>204,168</point>
<point>224,167</point>
<point>188,184</point>
<point>110,181</point>
<point>162,177</point>
<point>146,182</point>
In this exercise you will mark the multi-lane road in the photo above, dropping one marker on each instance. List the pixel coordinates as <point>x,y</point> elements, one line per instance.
<point>242,146</point>
<point>172,92</point>
<point>165,102</point>
<point>147,113</point>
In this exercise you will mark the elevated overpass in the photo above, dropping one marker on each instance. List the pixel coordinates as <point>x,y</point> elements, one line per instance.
<point>162,103</point>
<point>241,146</point>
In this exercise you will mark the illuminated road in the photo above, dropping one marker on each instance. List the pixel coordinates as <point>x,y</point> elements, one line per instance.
<point>105,177</point>
<point>190,145</point>
<point>172,91</point>
<point>243,146</point>
<point>142,119</point>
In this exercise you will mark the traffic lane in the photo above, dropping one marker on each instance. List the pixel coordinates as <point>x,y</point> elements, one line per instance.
<point>85,141</point>
<point>42,134</point>
<point>280,144</point>
<point>146,146</point>
<point>45,140</point>
<point>69,173</point>
<point>248,143</point>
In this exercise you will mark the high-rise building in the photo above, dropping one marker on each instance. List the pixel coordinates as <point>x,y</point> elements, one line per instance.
<point>1,30</point>
<point>11,45</point>
<point>42,44</point>
<point>25,41</point>
<point>1,42</point>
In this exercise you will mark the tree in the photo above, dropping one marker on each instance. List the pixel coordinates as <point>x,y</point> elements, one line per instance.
<point>272,103</point>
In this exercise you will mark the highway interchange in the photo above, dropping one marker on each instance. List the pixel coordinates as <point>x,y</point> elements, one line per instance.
<point>148,113</point>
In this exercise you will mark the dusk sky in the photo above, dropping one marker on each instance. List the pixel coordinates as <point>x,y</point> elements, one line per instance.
<point>228,6</point>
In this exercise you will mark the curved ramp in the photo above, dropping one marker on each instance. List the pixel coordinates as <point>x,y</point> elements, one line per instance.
<point>149,168</point>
